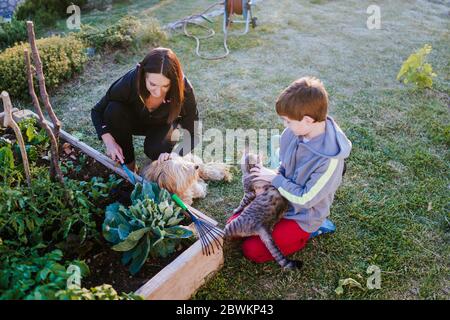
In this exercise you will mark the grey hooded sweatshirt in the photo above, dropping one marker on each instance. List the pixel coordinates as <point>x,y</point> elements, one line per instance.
<point>310,173</point>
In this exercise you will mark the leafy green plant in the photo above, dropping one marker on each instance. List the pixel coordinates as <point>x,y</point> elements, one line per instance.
<point>6,157</point>
<point>32,134</point>
<point>103,292</point>
<point>36,140</point>
<point>67,167</point>
<point>97,188</point>
<point>415,70</point>
<point>148,226</point>
<point>38,215</point>
<point>35,277</point>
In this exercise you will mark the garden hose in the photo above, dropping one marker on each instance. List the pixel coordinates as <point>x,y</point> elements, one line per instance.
<point>230,7</point>
<point>189,20</point>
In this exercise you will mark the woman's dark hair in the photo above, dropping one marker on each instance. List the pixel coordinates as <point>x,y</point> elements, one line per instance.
<point>165,62</point>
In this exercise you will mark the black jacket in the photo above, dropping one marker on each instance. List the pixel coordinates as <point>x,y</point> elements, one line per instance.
<point>124,90</point>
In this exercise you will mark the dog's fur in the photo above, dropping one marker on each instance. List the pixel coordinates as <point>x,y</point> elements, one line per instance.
<point>186,176</point>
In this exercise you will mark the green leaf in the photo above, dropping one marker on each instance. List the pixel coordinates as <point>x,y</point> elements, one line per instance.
<point>125,245</point>
<point>131,241</point>
<point>178,232</point>
<point>123,231</point>
<point>126,257</point>
<point>84,268</point>
<point>350,282</point>
<point>30,133</point>
<point>138,234</point>
<point>6,157</point>
<point>139,260</point>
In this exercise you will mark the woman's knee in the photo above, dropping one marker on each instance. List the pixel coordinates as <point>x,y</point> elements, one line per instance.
<point>154,148</point>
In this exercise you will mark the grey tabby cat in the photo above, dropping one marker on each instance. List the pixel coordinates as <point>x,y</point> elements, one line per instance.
<point>262,206</point>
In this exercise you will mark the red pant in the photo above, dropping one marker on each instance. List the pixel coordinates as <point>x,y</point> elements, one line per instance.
<point>287,234</point>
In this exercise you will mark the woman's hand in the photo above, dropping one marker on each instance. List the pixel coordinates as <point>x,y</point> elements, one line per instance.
<point>113,150</point>
<point>166,156</point>
<point>261,173</point>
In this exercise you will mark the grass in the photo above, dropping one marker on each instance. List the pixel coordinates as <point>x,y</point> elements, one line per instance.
<point>392,208</point>
<point>166,10</point>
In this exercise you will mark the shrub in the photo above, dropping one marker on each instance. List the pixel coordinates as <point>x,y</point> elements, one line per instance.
<point>127,32</point>
<point>119,35</point>
<point>11,33</point>
<point>151,32</point>
<point>45,12</point>
<point>415,70</point>
<point>61,59</point>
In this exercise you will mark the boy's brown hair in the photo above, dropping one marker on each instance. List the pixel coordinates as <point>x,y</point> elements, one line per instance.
<point>304,97</point>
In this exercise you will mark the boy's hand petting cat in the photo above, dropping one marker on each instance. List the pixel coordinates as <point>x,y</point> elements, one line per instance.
<point>262,173</point>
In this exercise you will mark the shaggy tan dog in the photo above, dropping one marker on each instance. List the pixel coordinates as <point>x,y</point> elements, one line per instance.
<point>186,176</point>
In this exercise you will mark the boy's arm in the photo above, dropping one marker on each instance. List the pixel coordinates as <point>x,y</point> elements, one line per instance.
<point>322,182</point>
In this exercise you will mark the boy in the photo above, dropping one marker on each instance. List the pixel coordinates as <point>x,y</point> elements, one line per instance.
<point>312,153</point>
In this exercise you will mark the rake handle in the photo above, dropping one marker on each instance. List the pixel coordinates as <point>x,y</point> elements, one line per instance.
<point>180,202</point>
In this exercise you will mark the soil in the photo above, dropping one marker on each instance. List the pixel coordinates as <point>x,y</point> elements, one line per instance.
<point>105,264</point>
<point>106,267</point>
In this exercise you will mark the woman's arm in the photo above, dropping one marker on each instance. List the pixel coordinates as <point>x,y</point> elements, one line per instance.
<point>120,91</point>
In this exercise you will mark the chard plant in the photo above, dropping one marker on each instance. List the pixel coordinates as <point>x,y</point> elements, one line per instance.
<point>149,226</point>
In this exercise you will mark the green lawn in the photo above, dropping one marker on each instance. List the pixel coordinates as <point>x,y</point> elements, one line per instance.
<point>392,208</point>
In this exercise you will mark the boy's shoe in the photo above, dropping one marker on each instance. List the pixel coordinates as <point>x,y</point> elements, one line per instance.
<point>326,227</point>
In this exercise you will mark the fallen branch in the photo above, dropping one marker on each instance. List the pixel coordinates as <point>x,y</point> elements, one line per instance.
<point>9,122</point>
<point>41,80</point>
<point>55,169</point>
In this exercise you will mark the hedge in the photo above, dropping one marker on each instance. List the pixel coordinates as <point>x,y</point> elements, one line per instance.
<point>61,59</point>
<point>45,12</point>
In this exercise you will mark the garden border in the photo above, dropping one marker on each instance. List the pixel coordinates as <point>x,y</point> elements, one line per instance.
<point>181,278</point>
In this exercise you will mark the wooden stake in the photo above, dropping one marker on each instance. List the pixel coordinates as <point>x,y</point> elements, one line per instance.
<point>41,80</point>
<point>9,122</point>
<point>55,169</point>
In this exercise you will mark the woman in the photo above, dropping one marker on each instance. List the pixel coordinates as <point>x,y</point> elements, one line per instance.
<point>150,100</point>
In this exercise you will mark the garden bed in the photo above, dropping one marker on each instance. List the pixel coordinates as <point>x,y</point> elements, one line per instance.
<point>175,277</point>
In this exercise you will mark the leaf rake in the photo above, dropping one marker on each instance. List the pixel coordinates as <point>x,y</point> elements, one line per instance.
<point>208,233</point>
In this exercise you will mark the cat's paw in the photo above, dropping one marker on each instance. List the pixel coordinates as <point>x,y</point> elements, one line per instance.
<point>293,265</point>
